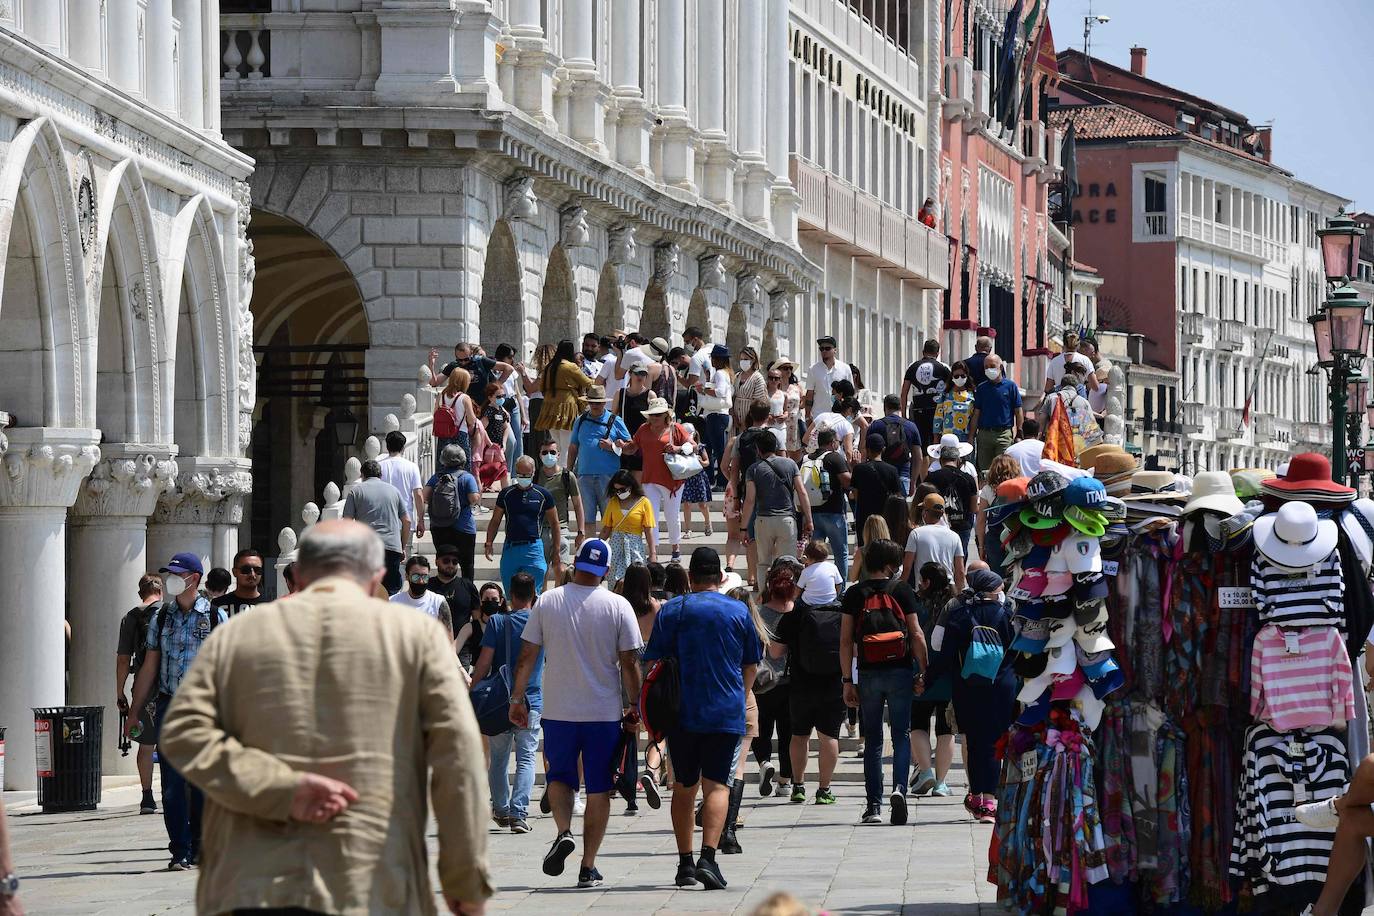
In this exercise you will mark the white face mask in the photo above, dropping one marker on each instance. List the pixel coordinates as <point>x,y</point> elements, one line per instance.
<point>745,365</point>
<point>993,374</point>
<point>623,494</point>
<point>174,586</point>
<point>960,381</point>
<point>550,461</point>
<point>524,483</point>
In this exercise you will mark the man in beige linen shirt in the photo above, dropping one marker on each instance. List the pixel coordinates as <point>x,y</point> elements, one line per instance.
<point>311,726</point>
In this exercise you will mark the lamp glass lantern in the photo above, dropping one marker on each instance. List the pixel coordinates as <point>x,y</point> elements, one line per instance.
<point>1357,392</point>
<point>1345,317</point>
<point>1321,335</point>
<point>1369,457</point>
<point>345,428</point>
<point>1340,240</point>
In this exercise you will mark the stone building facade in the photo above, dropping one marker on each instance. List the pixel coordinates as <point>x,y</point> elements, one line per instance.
<point>125,369</point>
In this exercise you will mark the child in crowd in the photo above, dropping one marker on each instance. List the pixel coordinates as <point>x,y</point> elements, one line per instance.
<point>820,581</point>
<point>696,491</point>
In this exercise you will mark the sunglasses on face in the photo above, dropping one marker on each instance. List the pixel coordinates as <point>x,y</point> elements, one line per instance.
<point>418,580</point>
<point>826,349</point>
<point>250,570</point>
<point>553,452</point>
<point>775,378</point>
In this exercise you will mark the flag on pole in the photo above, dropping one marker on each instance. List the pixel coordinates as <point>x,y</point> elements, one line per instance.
<point>1059,444</point>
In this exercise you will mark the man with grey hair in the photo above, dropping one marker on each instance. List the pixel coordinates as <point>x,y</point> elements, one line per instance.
<point>996,415</point>
<point>378,504</point>
<point>523,506</point>
<point>277,722</point>
<point>451,493</point>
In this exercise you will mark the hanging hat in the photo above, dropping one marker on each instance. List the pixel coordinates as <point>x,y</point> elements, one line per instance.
<point>1048,537</point>
<point>1358,522</point>
<point>1088,521</point>
<point>1155,485</point>
<point>1085,493</point>
<point>1309,478</point>
<point>1294,537</point>
<point>1060,632</point>
<point>949,440</point>
<point>1213,491</point>
<point>1030,610</point>
<point>1238,530</point>
<point>1029,665</point>
<point>1092,636</point>
<point>1030,585</point>
<point>1045,485</point>
<point>1033,519</point>
<point>1057,583</point>
<point>1082,553</point>
<point>1060,607</point>
<point>1038,556</point>
<point>1089,585</point>
<point>1114,510</point>
<point>1086,611</point>
<point>1036,711</point>
<point>656,406</point>
<point>1067,688</point>
<point>1249,482</point>
<point>1033,636</point>
<point>1090,707</point>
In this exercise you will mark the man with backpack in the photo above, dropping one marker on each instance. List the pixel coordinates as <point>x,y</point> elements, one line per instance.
<point>128,659</point>
<point>826,477</point>
<point>176,631</point>
<point>741,454</point>
<point>902,444</point>
<point>880,635</point>
<point>560,544</point>
<point>593,465</point>
<point>809,638</point>
<point>451,494</point>
<point>773,496</point>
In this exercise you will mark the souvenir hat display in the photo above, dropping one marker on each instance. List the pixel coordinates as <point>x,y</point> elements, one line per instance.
<point>1308,478</point>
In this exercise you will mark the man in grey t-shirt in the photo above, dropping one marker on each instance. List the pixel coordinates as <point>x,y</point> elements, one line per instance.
<point>773,495</point>
<point>377,504</point>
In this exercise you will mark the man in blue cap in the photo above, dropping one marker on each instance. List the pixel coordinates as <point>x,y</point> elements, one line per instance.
<point>596,639</point>
<point>176,631</point>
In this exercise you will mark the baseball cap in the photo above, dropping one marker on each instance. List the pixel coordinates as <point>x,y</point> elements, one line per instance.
<point>1057,606</point>
<point>1088,521</point>
<point>1086,493</point>
<point>184,563</point>
<point>1033,636</point>
<point>447,550</point>
<point>1092,636</point>
<point>1037,558</point>
<point>1068,687</point>
<point>593,557</point>
<point>933,501</point>
<point>1049,537</point>
<point>1045,485</point>
<point>1089,585</point>
<point>1028,665</point>
<point>1060,632</point>
<point>1036,711</point>
<point>1086,611</point>
<point>1033,519</point>
<point>1082,554</point>
<point>705,564</point>
<point>1057,583</point>
<point>1030,585</point>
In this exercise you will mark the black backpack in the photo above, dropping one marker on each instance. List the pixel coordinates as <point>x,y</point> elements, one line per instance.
<point>894,439</point>
<point>747,452</point>
<point>819,640</point>
<point>443,501</point>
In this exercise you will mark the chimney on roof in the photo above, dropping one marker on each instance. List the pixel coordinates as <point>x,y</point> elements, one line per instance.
<point>1264,142</point>
<point>1138,60</point>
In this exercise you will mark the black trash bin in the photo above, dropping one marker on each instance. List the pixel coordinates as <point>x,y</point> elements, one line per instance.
<point>67,755</point>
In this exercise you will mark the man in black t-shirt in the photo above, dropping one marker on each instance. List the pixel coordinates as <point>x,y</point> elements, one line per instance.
<point>959,490</point>
<point>128,657</point>
<point>482,369</point>
<point>871,483</point>
<point>864,633</point>
<point>247,570</point>
<point>460,593</point>
<point>829,516</point>
<point>926,382</point>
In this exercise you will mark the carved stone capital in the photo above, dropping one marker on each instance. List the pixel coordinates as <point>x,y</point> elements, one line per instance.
<point>127,481</point>
<point>666,256</point>
<point>780,304</point>
<point>520,201</point>
<point>201,490</point>
<point>623,249</point>
<point>711,271</point>
<point>573,231</point>
<point>747,291</point>
<point>44,467</point>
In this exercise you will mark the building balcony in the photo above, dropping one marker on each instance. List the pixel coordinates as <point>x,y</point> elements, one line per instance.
<point>1266,428</point>
<point>1054,150</point>
<point>857,222</point>
<point>1232,335</point>
<point>1032,147</point>
<point>982,103</point>
<point>1316,435</point>
<point>1191,326</point>
<point>1190,417</point>
<point>1228,424</point>
<point>958,88</point>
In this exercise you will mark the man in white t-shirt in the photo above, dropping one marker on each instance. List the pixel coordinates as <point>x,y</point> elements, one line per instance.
<point>597,640</point>
<point>1028,449</point>
<point>607,375</point>
<point>822,375</point>
<point>699,369</point>
<point>1054,373</point>
<point>404,475</point>
<point>932,542</point>
<point>416,594</point>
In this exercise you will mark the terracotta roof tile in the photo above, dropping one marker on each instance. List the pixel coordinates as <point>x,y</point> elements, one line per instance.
<point>1109,122</point>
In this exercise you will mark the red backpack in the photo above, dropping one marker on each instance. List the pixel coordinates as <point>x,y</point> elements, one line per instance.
<point>446,419</point>
<point>881,628</point>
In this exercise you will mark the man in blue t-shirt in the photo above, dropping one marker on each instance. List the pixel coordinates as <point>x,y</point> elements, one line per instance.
<point>592,464</point>
<point>522,505</point>
<point>451,521</point>
<point>501,647</point>
<point>996,413</point>
<point>717,649</point>
<point>903,447</point>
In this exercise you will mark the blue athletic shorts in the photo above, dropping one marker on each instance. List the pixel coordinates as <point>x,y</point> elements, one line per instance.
<point>592,742</point>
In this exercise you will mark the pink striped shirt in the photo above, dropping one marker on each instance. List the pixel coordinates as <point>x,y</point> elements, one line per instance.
<point>1309,687</point>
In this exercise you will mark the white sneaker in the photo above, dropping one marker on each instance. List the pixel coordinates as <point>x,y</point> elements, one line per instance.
<point>767,777</point>
<point>1321,815</point>
<point>580,804</point>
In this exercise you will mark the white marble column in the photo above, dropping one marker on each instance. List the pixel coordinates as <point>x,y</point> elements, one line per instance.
<point>675,132</point>
<point>121,43</point>
<point>587,104</point>
<point>108,541</point>
<point>84,33</point>
<point>534,63</point>
<point>185,516</point>
<point>719,171</point>
<point>784,202</point>
<point>750,117</point>
<point>43,23</point>
<point>191,63</point>
<point>211,68</point>
<point>632,123</point>
<point>158,38</point>
<point>42,471</point>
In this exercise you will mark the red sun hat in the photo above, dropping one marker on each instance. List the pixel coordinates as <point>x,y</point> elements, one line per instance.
<point>1309,479</point>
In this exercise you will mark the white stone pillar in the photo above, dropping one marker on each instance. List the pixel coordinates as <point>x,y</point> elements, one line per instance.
<point>211,68</point>
<point>587,104</point>
<point>121,43</point>
<point>534,63</point>
<point>719,171</point>
<point>157,43</point>
<point>43,23</point>
<point>185,516</point>
<point>784,200</point>
<point>632,124</point>
<point>42,471</point>
<point>679,162</point>
<point>191,63</point>
<point>108,540</point>
<point>750,117</point>
<point>84,32</point>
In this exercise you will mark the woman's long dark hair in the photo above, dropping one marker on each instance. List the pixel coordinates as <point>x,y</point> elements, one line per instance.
<point>895,511</point>
<point>563,353</point>
<point>625,479</point>
<point>939,592</point>
<point>676,581</point>
<point>636,586</point>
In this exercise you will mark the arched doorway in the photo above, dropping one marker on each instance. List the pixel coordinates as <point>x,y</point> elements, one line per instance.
<point>558,317</point>
<point>501,313</point>
<point>311,340</point>
<point>653,320</point>
<point>610,307</point>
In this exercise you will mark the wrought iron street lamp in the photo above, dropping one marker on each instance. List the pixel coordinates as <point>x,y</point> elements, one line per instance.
<point>1340,247</point>
<point>1341,334</point>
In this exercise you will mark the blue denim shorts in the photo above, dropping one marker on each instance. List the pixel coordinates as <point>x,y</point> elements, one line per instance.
<point>593,743</point>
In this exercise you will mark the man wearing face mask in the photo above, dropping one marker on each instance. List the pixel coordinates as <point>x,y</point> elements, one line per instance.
<point>997,413</point>
<point>560,543</point>
<point>416,594</point>
<point>522,506</point>
<point>176,631</point>
<point>459,591</point>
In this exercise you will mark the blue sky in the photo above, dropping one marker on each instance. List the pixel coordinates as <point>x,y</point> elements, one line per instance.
<point>1268,59</point>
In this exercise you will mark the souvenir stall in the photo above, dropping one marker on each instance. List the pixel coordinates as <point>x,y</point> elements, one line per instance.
<point>1190,656</point>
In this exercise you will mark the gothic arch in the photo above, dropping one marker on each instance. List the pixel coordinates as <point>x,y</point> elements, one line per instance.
<point>699,312</point>
<point>653,318</point>
<point>128,312</point>
<point>558,316</point>
<point>501,313</point>
<point>46,343</point>
<point>610,306</point>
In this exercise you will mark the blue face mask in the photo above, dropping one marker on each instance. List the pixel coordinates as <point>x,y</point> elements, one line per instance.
<point>550,461</point>
<point>524,482</point>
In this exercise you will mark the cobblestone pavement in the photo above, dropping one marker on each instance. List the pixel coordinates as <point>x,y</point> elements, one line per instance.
<point>110,861</point>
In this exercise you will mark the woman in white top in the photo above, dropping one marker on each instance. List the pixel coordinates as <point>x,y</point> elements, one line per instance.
<point>782,408</point>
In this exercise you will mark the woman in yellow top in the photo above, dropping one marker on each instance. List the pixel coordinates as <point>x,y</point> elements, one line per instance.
<point>629,525</point>
<point>954,412</point>
<point>563,383</point>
